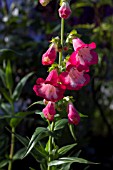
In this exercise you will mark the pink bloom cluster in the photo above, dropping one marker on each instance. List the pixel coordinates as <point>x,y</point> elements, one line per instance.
<point>74,78</point>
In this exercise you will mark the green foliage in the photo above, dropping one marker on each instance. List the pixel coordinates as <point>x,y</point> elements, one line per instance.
<point>14,122</point>
<point>9,78</point>
<point>65,149</point>
<point>65,160</point>
<point>60,124</point>
<point>39,134</point>
<point>19,87</point>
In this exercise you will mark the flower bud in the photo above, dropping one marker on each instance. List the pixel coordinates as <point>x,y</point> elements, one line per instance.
<point>44,2</point>
<point>64,10</point>
<point>49,111</point>
<point>73,115</point>
<point>49,56</point>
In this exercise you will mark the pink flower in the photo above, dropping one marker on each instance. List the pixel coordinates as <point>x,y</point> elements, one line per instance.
<point>50,89</point>
<point>84,55</point>
<point>49,111</point>
<point>73,115</point>
<point>64,10</point>
<point>73,79</point>
<point>49,56</point>
<point>44,2</point>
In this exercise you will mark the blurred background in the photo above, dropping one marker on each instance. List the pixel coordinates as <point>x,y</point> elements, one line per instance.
<point>26,29</point>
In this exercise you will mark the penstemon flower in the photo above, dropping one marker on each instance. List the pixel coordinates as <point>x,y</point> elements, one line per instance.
<point>71,73</point>
<point>49,56</point>
<point>64,10</point>
<point>73,115</point>
<point>50,89</point>
<point>73,79</point>
<point>84,55</point>
<point>49,111</point>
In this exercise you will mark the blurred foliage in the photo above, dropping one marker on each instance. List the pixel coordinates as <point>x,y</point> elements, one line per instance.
<point>25,30</point>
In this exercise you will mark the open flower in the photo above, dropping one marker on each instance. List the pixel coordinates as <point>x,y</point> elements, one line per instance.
<point>49,111</point>
<point>49,56</point>
<point>50,89</point>
<point>73,115</point>
<point>64,10</point>
<point>73,79</point>
<point>84,55</point>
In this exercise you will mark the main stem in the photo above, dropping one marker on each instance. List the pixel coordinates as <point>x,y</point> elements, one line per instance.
<point>50,145</point>
<point>62,40</point>
<point>12,139</point>
<point>11,149</point>
<point>60,61</point>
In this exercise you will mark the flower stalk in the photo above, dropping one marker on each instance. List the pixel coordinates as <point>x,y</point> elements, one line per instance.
<point>50,144</point>
<point>11,148</point>
<point>62,41</point>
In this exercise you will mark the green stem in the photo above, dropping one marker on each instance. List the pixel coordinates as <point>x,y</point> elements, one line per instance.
<point>12,149</point>
<point>62,40</point>
<point>50,145</point>
<point>12,146</point>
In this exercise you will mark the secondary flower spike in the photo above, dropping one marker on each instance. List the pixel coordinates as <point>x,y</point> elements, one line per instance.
<point>44,2</point>
<point>49,111</point>
<point>84,54</point>
<point>50,89</point>
<point>73,115</point>
<point>49,56</point>
<point>64,10</point>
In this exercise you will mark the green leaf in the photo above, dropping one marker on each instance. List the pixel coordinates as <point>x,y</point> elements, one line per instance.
<point>60,124</point>
<point>65,160</point>
<point>66,166</point>
<point>6,108</point>
<point>8,53</point>
<point>3,77</point>
<point>18,118</point>
<point>5,116</point>
<point>20,85</point>
<point>81,115</point>
<point>40,113</point>
<point>19,154</point>
<point>9,78</point>
<point>36,152</point>
<point>65,149</point>
<point>71,128</point>
<point>39,134</point>
<point>38,102</point>
<point>83,4</point>
<point>6,95</point>
<point>3,163</point>
<point>31,168</point>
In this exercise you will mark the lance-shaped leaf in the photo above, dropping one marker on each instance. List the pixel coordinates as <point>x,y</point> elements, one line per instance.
<point>4,163</point>
<point>60,124</point>
<point>38,102</point>
<point>6,94</point>
<point>8,53</point>
<point>31,168</point>
<point>65,166</point>
<point>66,148</point>
<point>38,152</point>
<point>39,134</point>
<point>19,87</point>
<point>9,78</point>
<point>3,77</point>
<point>65,160</point>
<point>72,130</point>
<point>18,118</point>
